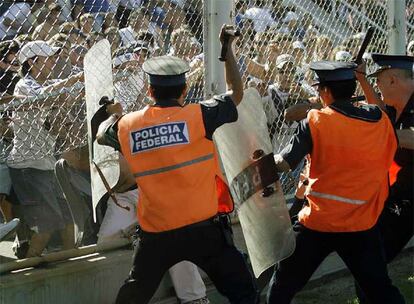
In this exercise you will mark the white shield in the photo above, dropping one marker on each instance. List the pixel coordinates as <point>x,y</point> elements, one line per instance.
<point>99,83</point>
<point>265,220</point>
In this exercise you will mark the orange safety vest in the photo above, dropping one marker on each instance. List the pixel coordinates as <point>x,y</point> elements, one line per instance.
<point>175,166</point>
<point>348,178</point>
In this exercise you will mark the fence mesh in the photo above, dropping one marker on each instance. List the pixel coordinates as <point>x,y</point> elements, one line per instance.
<point>43,109</point>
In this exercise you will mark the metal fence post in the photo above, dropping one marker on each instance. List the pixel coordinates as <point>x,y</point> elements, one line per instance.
<point>216,13</point>
<point>397,27</point>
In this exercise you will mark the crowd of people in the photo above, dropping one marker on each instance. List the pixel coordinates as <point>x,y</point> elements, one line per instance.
<point>44,156</point>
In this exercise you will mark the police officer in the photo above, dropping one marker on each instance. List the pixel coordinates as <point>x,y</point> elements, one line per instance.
<point>351,149</point>
<point>170,151</point>
<point>395,80</point>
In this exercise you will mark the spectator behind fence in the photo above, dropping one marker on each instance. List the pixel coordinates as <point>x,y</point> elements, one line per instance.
<point>112,34</point>
<point>86,22</point>
<point>184,45</point>
<point>292,26</point>
<point>17,19</point>
<point>299,54</point>
<point>31,161</point>
<point>75,36</point>
<point>139,20</point>
<point>77,54</point>
<point>130,89</point>
<point>95,8</point>
<point>147,38</point>
<point>343,56</point>
<point>124,10</point>
<point>50,26</point>
<point>323,48</point>
<point>9,67</point>
<point>93,38</point>
<point>285,89</point>
<point>261,17</point>
<point>310,44</point>
<point>63,67</point>
<point>309,26</point>
<point>40,10</point>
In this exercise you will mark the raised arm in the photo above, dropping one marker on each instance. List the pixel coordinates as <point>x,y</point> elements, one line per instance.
<point>231,69</point>
<point>369,92</point>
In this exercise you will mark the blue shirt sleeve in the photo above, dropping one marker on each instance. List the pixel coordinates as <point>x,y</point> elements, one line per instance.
<point>299,146</point>
<point>217,112</point>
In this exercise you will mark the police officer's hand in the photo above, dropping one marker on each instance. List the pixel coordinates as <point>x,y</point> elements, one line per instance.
<point>361,70</point>
<point>230,31</point>
<point>302,185</point>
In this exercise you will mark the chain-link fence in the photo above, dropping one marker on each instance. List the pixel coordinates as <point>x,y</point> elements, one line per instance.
<point>44,42</point>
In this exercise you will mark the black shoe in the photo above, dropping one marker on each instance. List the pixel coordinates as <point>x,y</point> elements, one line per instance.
<point>20,249</point>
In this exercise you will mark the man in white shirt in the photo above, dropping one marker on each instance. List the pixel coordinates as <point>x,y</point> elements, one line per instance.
<point>31,161</point>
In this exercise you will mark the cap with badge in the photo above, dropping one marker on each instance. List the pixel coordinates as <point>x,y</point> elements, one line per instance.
<point>385,62</point>
<point>329,71</point>
<point>166,70</point>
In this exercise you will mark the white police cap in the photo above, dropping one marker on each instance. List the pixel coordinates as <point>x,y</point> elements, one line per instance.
<point>166,70</point>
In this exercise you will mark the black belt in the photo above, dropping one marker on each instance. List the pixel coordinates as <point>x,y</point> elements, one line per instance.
<point>206,223</point>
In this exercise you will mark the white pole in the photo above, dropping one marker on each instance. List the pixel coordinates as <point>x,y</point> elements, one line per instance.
<point>397,29</point>
<point>216,13</point>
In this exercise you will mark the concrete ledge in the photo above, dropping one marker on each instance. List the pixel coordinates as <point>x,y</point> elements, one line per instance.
<point>96,278</point>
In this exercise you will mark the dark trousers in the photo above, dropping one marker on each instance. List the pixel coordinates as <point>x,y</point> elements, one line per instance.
<point>361,251</point>
<point>397,228</point>
<point>203,245</point>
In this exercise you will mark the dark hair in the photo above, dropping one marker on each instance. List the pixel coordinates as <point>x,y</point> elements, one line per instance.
<point>8,47</point>
<point>165,93</point>
<point>25,69</point>
<point>146,36</point>
<point>341,90</point>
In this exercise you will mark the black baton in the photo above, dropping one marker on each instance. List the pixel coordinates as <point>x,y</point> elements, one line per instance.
<point>224,47</point>
<point>367,40</point>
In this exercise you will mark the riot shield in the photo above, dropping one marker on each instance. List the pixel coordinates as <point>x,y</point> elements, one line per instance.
<point>104,161</point>
<point>244,148</point>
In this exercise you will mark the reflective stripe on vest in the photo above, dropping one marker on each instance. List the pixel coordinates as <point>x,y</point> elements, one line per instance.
<point>174,167</point>
<point>337,198</point>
